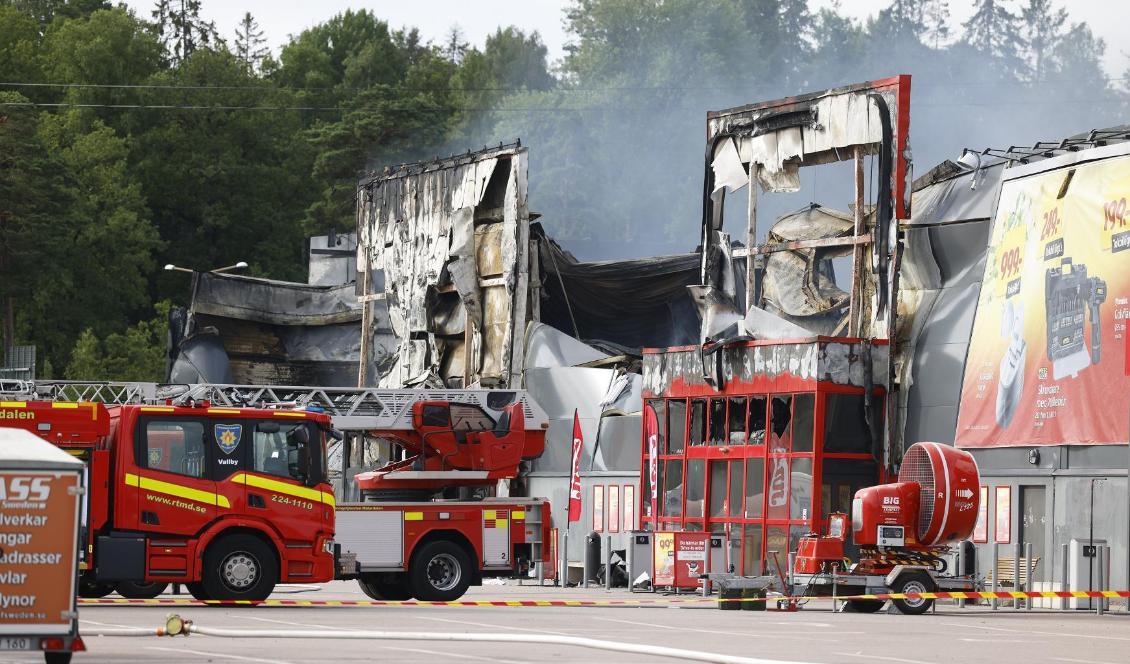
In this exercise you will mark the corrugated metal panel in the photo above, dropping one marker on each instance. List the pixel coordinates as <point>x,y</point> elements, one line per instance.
<point>377,537</point>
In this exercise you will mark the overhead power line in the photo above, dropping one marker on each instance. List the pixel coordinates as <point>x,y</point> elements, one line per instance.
<point>524,109</point>
<point>949,85</point>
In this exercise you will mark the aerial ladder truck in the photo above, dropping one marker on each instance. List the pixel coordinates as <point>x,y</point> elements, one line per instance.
<point>225,488</point>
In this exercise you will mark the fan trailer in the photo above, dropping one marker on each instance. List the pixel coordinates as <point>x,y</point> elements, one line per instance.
<point>903,530</point>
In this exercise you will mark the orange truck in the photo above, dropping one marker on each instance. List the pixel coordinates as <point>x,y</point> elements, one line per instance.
<point>230,501</point>
<point>41,490</point>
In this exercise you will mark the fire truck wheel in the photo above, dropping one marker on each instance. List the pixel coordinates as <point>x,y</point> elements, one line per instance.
<point>57,657</point>
<point>133,590</point>
<point>913,582</point>
<point>865,605</point>
<point>93,590</point>
<point>440,572</point>
<point>239,567</point>
<point>384,590</point>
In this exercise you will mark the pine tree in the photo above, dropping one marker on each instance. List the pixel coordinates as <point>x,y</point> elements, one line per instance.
<point>1044,30</point>
<point>796,21</point>
<point>901,21</point>
<point>249,43</point>
<point>454,47</point>
<point>935,22</point>
<point>1077,61</point>
<point>180,28</point>
<point>33,208</point>
<point>995,31</point>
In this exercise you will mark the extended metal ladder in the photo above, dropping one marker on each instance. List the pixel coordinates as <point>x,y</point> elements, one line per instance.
<point>352,408</point>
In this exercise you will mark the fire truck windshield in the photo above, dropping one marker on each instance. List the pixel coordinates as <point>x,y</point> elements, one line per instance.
<point>293,451</point>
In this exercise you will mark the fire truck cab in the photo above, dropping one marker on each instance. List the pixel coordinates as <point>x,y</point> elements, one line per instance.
<point>228,501</point>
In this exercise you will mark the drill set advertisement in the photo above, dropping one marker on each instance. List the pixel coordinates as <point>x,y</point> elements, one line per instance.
<point>1047,362</point>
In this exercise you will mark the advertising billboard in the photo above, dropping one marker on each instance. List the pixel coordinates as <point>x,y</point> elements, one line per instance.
<point>1047,361</point>
<point>38,551</point>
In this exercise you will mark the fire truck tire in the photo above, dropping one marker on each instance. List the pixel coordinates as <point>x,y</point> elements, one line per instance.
<point>913,582</point>
<point>57,657</point>
<point>239,567</point>
<point>133,590</point>
<point>865,605</point>
<point>439,572</point>
<point>384,591</point>
<point>197,591</point>
<point>93,590</point>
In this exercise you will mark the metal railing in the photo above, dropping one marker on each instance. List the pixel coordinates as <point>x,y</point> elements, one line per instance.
<point>352,408</point>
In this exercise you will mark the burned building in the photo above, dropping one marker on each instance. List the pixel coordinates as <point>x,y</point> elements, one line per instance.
<point>460,289</point>
<point>787,404</point>
<point>754,402</point>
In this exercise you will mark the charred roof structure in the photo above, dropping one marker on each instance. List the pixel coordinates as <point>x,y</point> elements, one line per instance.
<point>444,270</point>
<point>454,272</point>
<point>253,331</point>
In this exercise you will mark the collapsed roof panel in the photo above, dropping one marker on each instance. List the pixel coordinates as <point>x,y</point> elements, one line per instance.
<point>443,263</point>
<point>631,303</point>
<point>782,135</point>
<point>260,331</point>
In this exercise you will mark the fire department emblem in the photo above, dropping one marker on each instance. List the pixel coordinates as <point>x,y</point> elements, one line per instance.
<point>154,457</point>
<point>227,436</point>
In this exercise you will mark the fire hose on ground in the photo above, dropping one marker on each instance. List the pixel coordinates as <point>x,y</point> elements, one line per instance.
<point>177,626</point>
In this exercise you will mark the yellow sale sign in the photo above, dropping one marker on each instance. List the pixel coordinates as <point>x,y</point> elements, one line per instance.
<point>1047,362</point>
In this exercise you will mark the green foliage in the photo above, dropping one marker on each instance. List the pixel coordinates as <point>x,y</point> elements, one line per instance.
<point>136,354</point>
<point>33,202</point>
<point>19,45</point>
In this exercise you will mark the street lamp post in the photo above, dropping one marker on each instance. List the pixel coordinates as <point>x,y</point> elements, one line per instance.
<point>238,266</point>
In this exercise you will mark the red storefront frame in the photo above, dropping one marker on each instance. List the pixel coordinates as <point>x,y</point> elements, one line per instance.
<point>770,527</point>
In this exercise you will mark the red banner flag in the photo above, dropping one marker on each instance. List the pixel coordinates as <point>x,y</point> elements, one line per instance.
<point>651,431</point>
<point>575,476</point>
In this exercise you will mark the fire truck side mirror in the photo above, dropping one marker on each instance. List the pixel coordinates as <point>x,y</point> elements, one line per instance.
<point>300,436</point>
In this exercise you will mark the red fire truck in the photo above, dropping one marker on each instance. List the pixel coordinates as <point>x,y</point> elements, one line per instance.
<point>230,500</point>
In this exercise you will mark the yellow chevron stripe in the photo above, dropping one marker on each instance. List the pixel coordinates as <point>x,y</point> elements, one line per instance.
<point>157,409</point>
<point>289,413</point>
<point>69,405</point>
<point>223,411</point>
<point>277,486</point>
<point>13,404</point>
<point>168,488</point>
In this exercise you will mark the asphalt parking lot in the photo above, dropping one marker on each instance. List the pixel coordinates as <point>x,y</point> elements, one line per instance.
<point>814,634</point>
